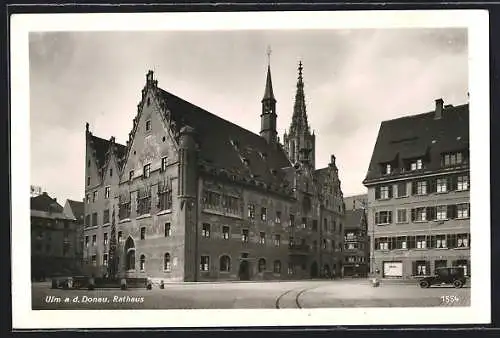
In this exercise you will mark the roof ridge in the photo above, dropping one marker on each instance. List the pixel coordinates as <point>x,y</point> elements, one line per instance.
<point>426,113</point>
<point>212,114</point>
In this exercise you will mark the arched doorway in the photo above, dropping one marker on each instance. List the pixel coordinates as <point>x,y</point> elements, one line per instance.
<point>326,270</point>
<point>314,270</point>
<point>130,254</point>
<point>244,271</point>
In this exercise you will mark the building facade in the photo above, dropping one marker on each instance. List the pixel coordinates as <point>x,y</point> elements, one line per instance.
<point>418,193</point>
<point>356,202</point>
<point>55,247</point>
<point>196,198</point>
<point>356,244</point>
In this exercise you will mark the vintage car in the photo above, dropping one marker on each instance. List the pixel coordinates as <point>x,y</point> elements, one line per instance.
<point>445,276</point>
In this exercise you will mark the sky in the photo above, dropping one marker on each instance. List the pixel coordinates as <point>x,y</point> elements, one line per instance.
<point>354,79</point>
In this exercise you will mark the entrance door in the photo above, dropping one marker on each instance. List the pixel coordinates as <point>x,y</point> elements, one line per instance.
<point>244,271</point>
<point>314,270</point>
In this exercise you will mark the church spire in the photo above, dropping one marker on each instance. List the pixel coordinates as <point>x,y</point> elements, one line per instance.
<point>268,116</point>
<point>268,93</point>
<point>299,117</point>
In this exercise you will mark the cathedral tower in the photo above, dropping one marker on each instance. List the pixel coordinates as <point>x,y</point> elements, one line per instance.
<point>299,143</point>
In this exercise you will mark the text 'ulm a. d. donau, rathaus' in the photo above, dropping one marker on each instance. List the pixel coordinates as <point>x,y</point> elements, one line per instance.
<point>198,198</point>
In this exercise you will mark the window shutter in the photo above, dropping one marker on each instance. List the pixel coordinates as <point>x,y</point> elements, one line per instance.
<point>414,268</point>
<point>390,216</point>
<point>450,212</point>
<point>427,267</point>
<point>390,191</point>
<point>377,193</point>
<point>432,185</point>
<point>413,188</point>
<point>413,215</point>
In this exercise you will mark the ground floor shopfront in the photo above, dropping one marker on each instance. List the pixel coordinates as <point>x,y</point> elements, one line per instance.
<point>410,264</point>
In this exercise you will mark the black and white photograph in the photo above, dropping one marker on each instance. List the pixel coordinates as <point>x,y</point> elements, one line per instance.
<point>332,170</point>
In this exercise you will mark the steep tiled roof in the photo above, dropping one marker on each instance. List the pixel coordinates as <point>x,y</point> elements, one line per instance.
<point>419,136</point>
<point>101,147</point>
<point>44,202</point>
<point>77,207</point>
<point>227,146</point>
<point>353,218</point>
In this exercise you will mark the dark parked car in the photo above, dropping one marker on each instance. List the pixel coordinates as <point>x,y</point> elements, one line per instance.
<point>453,276</point>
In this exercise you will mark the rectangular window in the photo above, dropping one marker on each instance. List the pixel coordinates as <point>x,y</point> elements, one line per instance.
<point>421,242</point>
<point>87,221</point>
<point>94,219</point>
<point>105,238</point>
<point>110,172</point>
<point>205,230</point>
<point>94,240</point>
<point>416,165</point>
<point>453,159</point>
<point>278,217</point>
<point>462,183</point>
<point>262,238</point>
<point>87,198</point>
<point>384,193</point>
<point>401,189</point>
<point>422,188</point>
<point>402,217</point>
<point>94,260</point>
<point>244,235</point>
<point>315,225</point>
<point>277,240</point>
<point>94,196</point>
<point>383,217</point>
<point>225,232</point>
<point>120,236</point>
<point>147,171</point>
<point>291,222</point>
<point>420,214</point>
<point>105,259</point>
<point>387,169</point>
<point>441,212</point>
<point>107,191</point>
<point>105,216</point>
<point>463,210</point>
<point>205,263</point>
<point>421,268</point>
<point>163,164</point>
<point>442,185</point>
<point>263,214</point>
<point>143,233</point>
<point>440,241</point>
<point>251,211</point>
<point>462,241</point>
<point>88,180</point>
<point>304,223</point>
<point>148,125</point>
<point>383,243</point>
<point>131,175</point>
<point>168,230</point>
<point>86,241</point>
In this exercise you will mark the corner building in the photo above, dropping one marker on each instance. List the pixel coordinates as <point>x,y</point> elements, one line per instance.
<point>198,198</point>
<point>418,194</point>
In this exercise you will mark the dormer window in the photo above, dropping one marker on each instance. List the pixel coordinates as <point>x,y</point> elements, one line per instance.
<point>163,164</point>
<point>148,125</point>
<point>452,159</point>
<point>416,164</point>
<point>388,169</point>
<point>131,175</point>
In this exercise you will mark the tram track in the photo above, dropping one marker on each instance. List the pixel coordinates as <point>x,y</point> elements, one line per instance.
<point>292,297</point>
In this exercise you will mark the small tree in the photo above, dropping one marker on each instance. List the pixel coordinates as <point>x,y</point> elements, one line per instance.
<point>112,262</point>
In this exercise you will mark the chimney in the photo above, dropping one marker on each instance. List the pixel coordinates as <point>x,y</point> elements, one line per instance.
<point>439,109</point>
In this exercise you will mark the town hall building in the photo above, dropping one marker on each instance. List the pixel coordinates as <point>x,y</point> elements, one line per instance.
<point>194,197</point>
